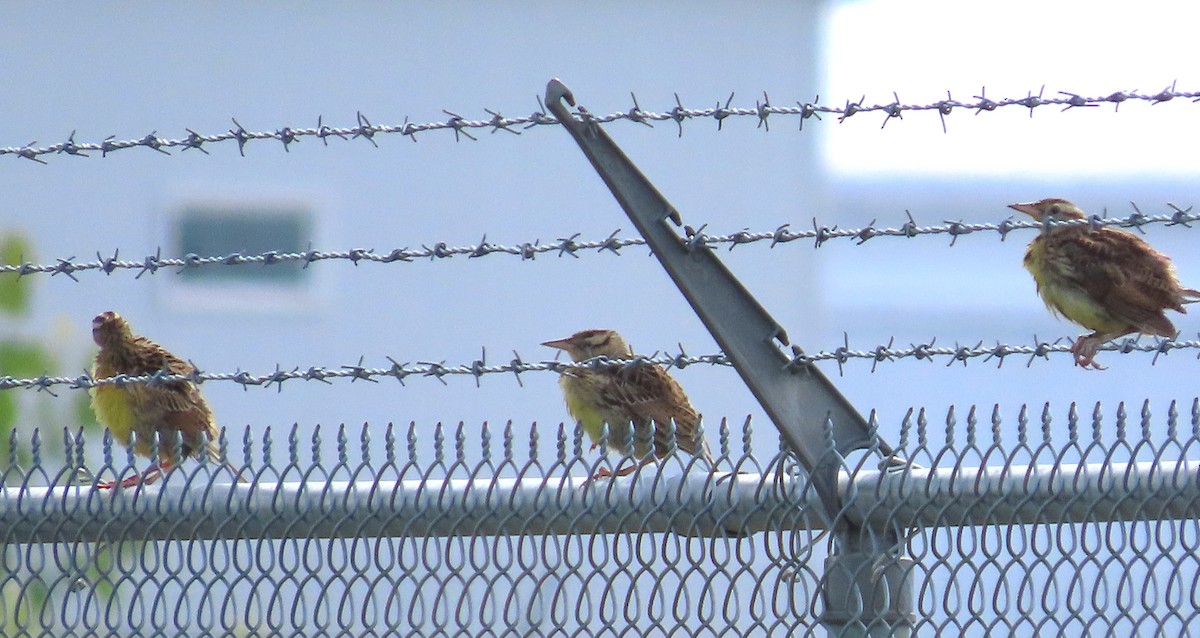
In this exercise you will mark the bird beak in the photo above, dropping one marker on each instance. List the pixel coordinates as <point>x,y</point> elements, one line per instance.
<point>561,344</point>
<point>1030,209</point>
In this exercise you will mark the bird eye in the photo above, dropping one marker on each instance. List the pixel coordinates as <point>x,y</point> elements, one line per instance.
<point>1055,209</point>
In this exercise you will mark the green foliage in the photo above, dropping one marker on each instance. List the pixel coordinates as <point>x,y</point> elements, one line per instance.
<point>23,358</point>
<point>17,359</point>
<point>14,290</point>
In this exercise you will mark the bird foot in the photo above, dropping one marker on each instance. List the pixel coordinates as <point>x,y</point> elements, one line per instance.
<point>1085,349</point>
<point>145,478</point>
<point>604,472</point>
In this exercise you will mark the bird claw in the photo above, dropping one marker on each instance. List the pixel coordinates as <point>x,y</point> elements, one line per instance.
<point>129,482</point>
<point>1085,349</point>
<point>145,478</point>
<point>604,472</point>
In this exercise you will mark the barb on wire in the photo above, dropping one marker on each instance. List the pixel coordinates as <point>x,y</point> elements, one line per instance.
<point>358,371</point>
<point>461,126</point>
<point>573,246</point>
<point>960,353</point>
<point>478,368</point>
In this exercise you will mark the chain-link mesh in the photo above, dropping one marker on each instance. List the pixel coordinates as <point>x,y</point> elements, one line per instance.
<point>1067,526</point>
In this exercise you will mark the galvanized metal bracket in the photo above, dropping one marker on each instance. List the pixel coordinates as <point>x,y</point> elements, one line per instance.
<point>799,398</point>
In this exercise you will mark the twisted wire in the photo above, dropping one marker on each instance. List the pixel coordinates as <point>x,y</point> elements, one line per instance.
<point>398,371</point>
<point>960,353</point>
<point>929,351</point>
<point>462,127</point>
<point>529,250</point>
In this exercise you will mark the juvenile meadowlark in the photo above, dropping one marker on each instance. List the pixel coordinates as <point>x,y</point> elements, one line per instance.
<point>146,409</point>
<point>1107,280</point>
<point>640,402</point>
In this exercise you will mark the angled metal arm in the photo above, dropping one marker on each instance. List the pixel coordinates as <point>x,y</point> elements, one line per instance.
<point>798,399</point>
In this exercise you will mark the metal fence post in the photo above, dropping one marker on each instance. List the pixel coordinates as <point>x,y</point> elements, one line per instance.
<point>867,589</point>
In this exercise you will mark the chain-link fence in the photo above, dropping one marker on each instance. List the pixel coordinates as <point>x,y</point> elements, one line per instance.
<point>1068,527</point>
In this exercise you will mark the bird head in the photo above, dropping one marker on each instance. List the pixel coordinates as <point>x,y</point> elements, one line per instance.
<point>1052,209</point>
<point>109,327</point>
<point>593,343</point>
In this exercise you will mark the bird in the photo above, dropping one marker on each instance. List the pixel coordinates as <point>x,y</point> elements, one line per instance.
<point>639,402</point>
<point>145,409</point>
<point>1108,280</point>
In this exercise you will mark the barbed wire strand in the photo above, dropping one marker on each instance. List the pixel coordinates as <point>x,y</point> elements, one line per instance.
<point>930,351</point>
<point>461,126</point>
<point>573,246</point>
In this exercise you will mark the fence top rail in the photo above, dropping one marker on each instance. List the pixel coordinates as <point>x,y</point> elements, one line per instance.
<point>695,503</point>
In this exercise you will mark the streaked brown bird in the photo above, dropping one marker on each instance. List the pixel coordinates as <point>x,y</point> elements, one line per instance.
<point>640,402</point>
<point>1106,279</point>
<point>145,409</point>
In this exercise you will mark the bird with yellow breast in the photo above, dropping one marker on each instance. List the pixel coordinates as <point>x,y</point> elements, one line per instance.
<point>135,412</point>
<point>641,402</point>
<point>1106,279</point>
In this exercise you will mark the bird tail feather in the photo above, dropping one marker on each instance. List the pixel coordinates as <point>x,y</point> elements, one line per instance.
<point>1191,295</point>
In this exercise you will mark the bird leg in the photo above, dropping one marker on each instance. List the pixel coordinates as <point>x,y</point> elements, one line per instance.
<point>1085,349</point>
<point>604,472</point>
<point>152,474</point>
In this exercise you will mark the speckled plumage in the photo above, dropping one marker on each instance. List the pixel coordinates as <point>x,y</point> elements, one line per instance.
<point>146,409</point>
<point>1106,279</point>
<point>643,399</point>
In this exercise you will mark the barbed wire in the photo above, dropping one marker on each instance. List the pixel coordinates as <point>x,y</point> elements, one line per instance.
<point>960,353</point>
<point>573,246</point>
<point>461,126</point>
<point>399,371</point>
<point>930,351</point>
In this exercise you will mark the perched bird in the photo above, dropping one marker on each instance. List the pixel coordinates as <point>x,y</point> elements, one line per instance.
<point>146,409</point>
<point>639,402</point>
<point>1105,279</point>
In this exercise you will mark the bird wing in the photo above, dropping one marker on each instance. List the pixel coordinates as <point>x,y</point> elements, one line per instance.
<point>1130,279</point>
<point>649,395</point>
<point>175,404</point>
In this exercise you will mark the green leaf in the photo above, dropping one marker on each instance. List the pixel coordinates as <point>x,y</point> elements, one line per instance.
<point>23,359</point>
<point>14,290</point>
<point>17,359</point>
